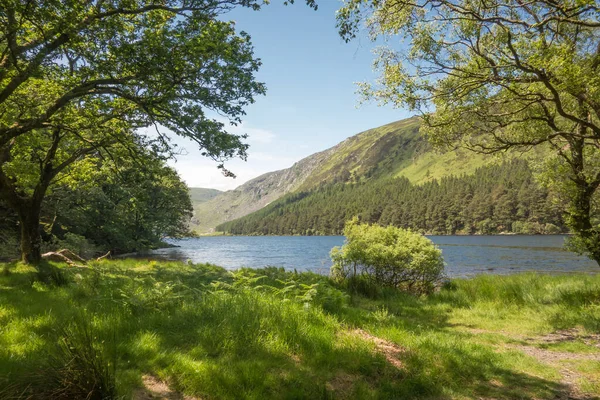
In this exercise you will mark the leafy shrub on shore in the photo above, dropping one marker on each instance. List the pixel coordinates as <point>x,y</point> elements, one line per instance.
<point>387,256</point>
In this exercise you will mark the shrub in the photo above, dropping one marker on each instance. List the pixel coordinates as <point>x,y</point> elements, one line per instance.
<point>78,245</point>
<point>387,256</point>
<point>9,247</point>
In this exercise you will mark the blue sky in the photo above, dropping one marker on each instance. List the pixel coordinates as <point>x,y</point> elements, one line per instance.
<point>310,103</point>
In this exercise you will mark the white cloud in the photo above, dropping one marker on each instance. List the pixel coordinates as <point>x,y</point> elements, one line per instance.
<point>268,157</point>
<point>202,172</point>
<point>199,171</point>
<point>258,135</point>
<point>208,176</point>
<point>265,155</point>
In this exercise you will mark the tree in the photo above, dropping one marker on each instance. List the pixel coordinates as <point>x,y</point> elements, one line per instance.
<point>79,76</point>
<point>125,205</point>
<point>497,75</point>
<point>31,162</point>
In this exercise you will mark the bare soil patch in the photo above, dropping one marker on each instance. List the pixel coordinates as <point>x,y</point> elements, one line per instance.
<point>390,350</point>
<point>342,385</point>
<point>569,378</point>
<point>155,389</point>
<point>569,335</point>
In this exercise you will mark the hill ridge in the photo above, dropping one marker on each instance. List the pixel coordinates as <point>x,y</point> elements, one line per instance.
<point>386,151</point>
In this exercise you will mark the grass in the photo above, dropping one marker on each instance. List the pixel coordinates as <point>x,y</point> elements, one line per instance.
<point>432,165</point>
<point>267,333</point>
<point>375,152</point>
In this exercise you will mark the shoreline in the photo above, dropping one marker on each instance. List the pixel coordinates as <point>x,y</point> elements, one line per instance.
<point>200,235</point>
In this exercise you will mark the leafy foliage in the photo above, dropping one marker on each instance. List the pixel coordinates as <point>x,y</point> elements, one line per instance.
<point>120,60</point>
<point>79,79</point>
<point>388,256</point>
<point>124,206</point>
<point>496,75</point>
<point>305,288</point>
<point>119,204</point>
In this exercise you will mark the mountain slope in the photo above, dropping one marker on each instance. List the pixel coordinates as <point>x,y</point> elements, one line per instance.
<point>377,152</point>
<point>501,198</point>
<point>254,194</point>
<point>392,150</point>
<point>200,195</point>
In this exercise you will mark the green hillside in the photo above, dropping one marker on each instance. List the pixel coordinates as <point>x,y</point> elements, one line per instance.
<point>254,194</point>
<point>200,195</point>
<point>389,151</point>
<point>495,199</point>
<point>378,152</point>
<point>393,150</point>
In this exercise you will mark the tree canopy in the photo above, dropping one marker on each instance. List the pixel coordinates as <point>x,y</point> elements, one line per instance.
<point>85,65</point>
<point>495,75</point>
<point>77,78</point>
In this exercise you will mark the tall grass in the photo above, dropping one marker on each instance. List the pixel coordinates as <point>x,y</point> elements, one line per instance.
<point>276,334</point>
<point>81,366</point>
<point>538,302</point>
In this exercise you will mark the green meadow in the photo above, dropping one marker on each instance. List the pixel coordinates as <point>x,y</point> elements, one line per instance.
<point>150,329</point>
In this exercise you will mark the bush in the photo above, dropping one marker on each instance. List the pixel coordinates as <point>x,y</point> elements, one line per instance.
<point>9,247</point>
<point>388,257</point>
<point>79,245</point>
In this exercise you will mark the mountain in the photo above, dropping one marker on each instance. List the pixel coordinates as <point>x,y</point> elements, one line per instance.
<point>254,194</point>
<point>200,195</point>
<point>389,151</point>
<point>498,198</point>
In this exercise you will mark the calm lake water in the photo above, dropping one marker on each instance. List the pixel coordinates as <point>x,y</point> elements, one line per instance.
<point>464,255</point>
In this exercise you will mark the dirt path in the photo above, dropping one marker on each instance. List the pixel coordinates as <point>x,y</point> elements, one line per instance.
<point>570,377</point>
<point>390,350</point>
<point>155,389</point>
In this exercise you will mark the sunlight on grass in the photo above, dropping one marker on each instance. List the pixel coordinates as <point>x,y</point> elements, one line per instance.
<point>274,334</point>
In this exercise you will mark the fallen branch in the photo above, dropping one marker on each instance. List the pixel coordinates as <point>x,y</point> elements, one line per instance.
<point>103,257</point>
<point>66,256</point>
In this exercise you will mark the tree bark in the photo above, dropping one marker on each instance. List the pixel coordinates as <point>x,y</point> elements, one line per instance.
<point>31,240</point>
<point>581,203</point>
<point>581,223</point>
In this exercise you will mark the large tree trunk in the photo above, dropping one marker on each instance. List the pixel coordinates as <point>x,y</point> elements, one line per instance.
<point>29,208</point>
<point>580,210</point>
<point>31,240</point>
<point>581,224</point>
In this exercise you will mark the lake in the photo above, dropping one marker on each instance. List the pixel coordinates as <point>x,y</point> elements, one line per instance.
<point>464,255</point>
